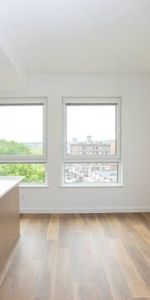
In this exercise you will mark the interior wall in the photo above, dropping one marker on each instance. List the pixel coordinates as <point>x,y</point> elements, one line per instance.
<point>135,193</point>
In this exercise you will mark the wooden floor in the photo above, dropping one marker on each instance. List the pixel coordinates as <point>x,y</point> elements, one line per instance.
<point>81,257</point>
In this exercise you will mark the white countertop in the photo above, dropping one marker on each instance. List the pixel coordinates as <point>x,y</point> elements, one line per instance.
<point>7,183</point>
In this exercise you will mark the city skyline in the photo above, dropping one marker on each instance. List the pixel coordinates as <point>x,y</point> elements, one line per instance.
<point>88,140</point>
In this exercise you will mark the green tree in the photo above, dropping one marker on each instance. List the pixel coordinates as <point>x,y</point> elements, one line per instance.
<point>33,173</point>
<point>13,148</point>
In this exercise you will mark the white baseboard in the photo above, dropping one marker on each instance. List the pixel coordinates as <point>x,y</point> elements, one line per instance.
<point>83,210</point>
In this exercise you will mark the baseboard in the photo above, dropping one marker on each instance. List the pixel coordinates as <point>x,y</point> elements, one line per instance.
<point>8,263</point>
<point>84,210</point>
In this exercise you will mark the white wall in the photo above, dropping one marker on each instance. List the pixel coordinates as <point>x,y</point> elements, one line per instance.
<point>135,195</point>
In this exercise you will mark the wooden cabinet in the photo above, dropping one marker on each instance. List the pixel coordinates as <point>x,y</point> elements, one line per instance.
<point>9,223</point>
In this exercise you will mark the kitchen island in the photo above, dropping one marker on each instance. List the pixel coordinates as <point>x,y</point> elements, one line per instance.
<point>9,219</point>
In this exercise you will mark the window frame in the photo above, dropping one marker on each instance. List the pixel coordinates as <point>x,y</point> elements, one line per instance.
<point>28,159</point>
<point>70,158</point>
<point>24,158</point>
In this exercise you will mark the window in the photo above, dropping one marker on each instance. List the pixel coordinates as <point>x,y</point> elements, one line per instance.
<point>91,142</point>
<point>23,139</point>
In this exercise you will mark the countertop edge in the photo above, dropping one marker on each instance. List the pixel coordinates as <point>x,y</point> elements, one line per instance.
<point>10,183</point>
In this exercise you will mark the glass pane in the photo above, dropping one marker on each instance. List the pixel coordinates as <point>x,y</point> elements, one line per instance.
<point>91,129</point>
<point>21,130</point>
<point>84,173</point>
<point>33,173</point>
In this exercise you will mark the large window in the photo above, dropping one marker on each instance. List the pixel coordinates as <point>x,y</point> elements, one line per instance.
<point>23,139</point>
<point>91,141</point>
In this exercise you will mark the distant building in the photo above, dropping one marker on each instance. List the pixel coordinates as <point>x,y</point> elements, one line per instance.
<point>89,147</point>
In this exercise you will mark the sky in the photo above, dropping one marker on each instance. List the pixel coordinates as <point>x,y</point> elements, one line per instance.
<point>21,123</point>
<point>95,120</point>
<point>25,123</point>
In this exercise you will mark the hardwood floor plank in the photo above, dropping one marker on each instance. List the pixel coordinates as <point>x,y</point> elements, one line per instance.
<point>53,228</point>
<point>133,278</point>
<point>81,257</point>
<point>142,265</point>
<point>118,285</point>
<point>76,295</point>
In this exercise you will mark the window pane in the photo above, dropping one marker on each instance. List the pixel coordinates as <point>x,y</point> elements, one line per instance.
<point>83,173</point>
<point>33,173</point>
<point>91,129</point>
<point>21,130</point>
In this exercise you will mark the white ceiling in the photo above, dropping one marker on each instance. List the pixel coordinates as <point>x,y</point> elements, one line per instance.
<point>78,36</point>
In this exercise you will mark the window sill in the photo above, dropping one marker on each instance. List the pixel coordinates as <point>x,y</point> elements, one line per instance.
<point>44,185</point>
<point>92,185</point>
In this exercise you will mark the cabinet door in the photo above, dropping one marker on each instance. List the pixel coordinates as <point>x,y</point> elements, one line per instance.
<point>9,224</point>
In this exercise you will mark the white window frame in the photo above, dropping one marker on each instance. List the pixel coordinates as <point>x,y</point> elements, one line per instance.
<point>30,158</point>
<point>70,158</point>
